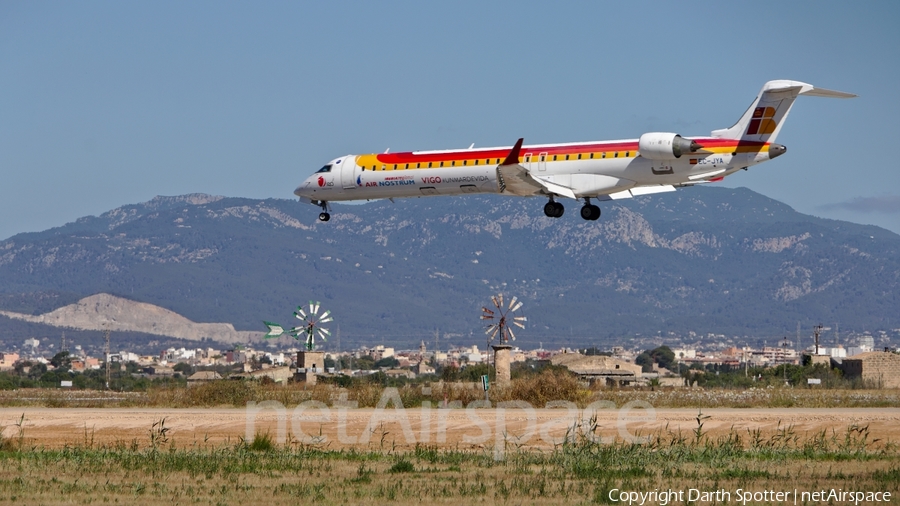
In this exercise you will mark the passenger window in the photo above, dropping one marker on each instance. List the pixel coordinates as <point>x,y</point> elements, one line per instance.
<point>453,163</point>
<point>627,153</point>
<point>592,156</point>
<point>603,155</point>
<point>429,165</point>
<point>554,158</point>
<point>476,162</point>
<point>579,156</point>
<point>616,154</point>
<point>442,164</point>
<point>395,166</point>
<point>417,166</point>
<point>407,166</point>
<point>567,157</point>
<point>464,162</point>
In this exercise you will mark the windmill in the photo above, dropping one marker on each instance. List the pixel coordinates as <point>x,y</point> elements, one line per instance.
<point>501,318</point>
<point>312,325</point>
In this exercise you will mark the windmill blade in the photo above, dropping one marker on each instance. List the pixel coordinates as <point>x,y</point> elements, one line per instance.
<point>487,317</point>
<point>500,296</point>
<point>325,314</point>
<point>486,310</point>
<point>322,335</point>
<point>514,309</point>
<point>300,314</point>
<point>520,319</point>
<point>313,309</point>
<point>511,335</point>
<point>494,333</point>
<point>326,331</point>
<point>494,299</point>
<point>490,328</point>
<point>517,324</point>
<point>512,302</point>
<point>326,320</point>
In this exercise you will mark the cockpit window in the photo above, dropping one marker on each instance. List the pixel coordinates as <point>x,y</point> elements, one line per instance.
<point>326,168</point>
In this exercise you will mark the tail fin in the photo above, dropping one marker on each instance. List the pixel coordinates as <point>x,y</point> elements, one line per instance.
<point>765,117</point>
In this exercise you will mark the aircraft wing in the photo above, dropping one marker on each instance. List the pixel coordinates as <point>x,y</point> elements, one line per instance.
<point>518,180</point>
<point>515,179</point>
<point>637,191</point>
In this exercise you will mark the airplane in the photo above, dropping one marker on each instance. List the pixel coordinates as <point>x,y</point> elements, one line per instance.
<point>604,170</point>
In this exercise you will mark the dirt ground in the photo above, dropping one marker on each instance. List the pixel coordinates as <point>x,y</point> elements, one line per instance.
<point>403,429</point>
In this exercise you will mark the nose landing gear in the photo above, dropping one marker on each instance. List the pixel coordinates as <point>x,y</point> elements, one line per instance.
<point>324,216</point>
<point>589,211</point>
<point>553,209</point>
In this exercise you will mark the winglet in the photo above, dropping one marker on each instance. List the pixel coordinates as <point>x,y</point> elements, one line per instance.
<point>513,157</point>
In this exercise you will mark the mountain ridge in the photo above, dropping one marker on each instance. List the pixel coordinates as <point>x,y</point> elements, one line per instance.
<point>703,260</point>
<point>103,311</point>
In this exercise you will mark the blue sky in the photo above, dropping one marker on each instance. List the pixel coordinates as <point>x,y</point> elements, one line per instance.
<point>110,103</point>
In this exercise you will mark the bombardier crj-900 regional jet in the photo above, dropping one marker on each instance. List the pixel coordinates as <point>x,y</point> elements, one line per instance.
<point>607,170</point>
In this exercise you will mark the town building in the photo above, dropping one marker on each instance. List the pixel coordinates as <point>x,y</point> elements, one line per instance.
<point>880,369</point>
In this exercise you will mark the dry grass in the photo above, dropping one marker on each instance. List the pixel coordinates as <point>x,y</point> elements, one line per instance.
<point>578,472</point>
<point>536,390</point>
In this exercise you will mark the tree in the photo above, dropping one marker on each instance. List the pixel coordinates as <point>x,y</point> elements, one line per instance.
<point>61,361</point>
<point>450,373</point>
<point>184,368</point>
<point>664,356</point>
<point>365,363</point>
<point>388,362</point>
<point>645,361</point>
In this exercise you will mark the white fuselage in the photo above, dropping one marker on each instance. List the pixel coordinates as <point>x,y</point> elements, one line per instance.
<point>620,165</point>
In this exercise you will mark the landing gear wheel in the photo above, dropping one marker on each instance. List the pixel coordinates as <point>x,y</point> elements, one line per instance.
<point>554,209</point>
<point>590,212</point>
<point>550,209</point>
<point>324,216</point>
<point>587,212</point>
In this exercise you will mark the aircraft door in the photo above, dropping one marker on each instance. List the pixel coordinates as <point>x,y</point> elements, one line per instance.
<point>526,161</point>
<point>542,161</point>
<point>349,172</point>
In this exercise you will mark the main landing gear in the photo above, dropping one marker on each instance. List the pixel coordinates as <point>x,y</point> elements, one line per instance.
<point>553,209</point>
<point>589,211</point>
<point>324,216</point>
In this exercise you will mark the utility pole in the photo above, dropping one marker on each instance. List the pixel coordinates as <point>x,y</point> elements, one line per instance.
<point>817,329</point>
<point>106,335</point>
<point>784,347</point>
<point>62,345</point>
